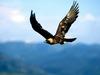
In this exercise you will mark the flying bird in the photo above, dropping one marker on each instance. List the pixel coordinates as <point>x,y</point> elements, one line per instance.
<point>64,26</point>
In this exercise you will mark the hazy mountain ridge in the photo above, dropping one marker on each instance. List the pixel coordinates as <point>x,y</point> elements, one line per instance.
<point>10,66</point>
<point>68,59</point>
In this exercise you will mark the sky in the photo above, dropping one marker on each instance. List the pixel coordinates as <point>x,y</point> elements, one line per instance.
<point>15,24</point>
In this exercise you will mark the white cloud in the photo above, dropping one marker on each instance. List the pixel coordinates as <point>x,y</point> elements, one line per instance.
<point>17,16</point>
<point>88,17</point>
<point>14,15</point>
<point>88,28</point>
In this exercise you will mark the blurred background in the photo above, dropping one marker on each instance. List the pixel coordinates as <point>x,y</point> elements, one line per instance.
<point>23,51</point>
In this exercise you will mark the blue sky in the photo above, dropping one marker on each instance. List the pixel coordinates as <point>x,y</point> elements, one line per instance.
<point>15,24</point>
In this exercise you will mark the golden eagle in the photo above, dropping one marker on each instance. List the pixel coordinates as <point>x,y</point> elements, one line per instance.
<point>63,27</point>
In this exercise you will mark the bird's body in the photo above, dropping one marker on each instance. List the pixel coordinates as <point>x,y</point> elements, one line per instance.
<point>63,27</point>
<point>59,40</point>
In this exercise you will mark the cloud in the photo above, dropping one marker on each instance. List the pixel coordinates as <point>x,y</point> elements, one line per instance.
<point>88,28</point>
<point>11,14</point>
<point>17,16</point>
<point>87,17</point>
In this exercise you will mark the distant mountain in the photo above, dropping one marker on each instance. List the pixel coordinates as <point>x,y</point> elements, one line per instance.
<point>68,59</point>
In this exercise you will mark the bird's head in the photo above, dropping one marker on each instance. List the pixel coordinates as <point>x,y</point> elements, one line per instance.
<point>50,41</point>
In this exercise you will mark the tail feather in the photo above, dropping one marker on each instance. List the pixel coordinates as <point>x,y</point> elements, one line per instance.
<point>69,39</point>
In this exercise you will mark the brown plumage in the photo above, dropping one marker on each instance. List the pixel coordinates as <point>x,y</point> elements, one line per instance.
<point>63,27</point>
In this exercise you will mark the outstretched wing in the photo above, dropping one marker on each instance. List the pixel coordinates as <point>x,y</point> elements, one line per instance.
<point>67,21</point>
<point>38,28</point>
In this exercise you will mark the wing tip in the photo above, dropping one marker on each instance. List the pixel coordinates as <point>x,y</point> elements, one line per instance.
<point>75,4</point>
<point>75,7</point>
<point>33,18</point>
<point>32,14</point>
